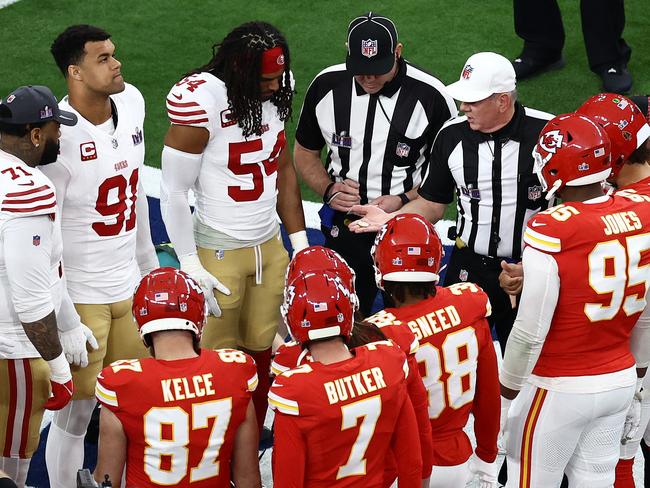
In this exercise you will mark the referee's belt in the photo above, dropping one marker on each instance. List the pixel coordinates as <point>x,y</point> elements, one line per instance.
<point>480,258</point>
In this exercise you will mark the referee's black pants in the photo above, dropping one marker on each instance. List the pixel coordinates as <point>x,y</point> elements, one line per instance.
<point>355,249</point>
<point>539,24</point>
<point>465,265</point>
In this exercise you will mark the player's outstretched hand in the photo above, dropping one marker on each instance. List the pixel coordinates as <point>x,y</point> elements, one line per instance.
<point>487,472</point>
<point>74,342</point>
<point>208,282</point>
<point>633,417</point>
<point>7,347</point>
<point>372,219</point>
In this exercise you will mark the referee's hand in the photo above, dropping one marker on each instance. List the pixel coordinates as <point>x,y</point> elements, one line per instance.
<point>373,218</point>
<point>343,195</point>
<point>511,278</point>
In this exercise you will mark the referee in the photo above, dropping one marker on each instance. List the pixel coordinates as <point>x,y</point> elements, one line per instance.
<point>377,115</point>
<point>484,159</point>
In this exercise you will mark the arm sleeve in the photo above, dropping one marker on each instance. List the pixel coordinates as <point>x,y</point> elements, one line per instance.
<point>438,183</point>
<point>28,266</point>
<point>145,252</point>
<point>640,340</point>
<point>487,400</point>
<point>420,401</point>
<point>538,300</point>
<point>179,172</point>
<point>288,453</point>
<point>406,448</point>
<point>308,132</point>
<point>67,317</point>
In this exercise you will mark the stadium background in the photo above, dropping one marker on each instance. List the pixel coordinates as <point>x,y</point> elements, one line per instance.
<point>159,40</point>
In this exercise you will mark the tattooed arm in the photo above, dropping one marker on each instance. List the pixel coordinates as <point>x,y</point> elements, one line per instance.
<point>43,334</point>
<point>27,249</point>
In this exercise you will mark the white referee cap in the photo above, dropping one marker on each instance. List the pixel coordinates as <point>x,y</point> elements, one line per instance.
<point>483,75</point>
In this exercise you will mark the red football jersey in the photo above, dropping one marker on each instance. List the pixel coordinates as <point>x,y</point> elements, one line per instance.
<point>291,354</point>
<point>602,252</point>
<point>288,356</point>
<point>402,335</point>
<point>180,417</point>
<point>458,365</point>
<point>336,423</point>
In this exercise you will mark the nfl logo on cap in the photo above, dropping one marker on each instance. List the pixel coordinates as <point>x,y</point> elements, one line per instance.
<point>467,71</point>
<point>369,48</point>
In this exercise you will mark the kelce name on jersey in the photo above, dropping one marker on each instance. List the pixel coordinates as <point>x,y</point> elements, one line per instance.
<point>435,322</point>
<point>184,388</point>
<point>620,222</point>
<point>355,385</point>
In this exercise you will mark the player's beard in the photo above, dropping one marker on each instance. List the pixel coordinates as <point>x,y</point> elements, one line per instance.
<point>50,152</point>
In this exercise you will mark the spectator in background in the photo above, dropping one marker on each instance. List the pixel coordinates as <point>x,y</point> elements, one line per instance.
<point>377,115</point>
<point>539,24</point>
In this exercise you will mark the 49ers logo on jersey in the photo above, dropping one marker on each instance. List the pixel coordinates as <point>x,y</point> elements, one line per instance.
<point>88,151</point>
<point>551,141</point>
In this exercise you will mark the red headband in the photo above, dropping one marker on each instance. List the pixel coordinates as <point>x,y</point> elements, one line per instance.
<point>272,60</point>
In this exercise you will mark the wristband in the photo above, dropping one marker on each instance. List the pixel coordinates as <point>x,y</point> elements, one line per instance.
<point>299,240</point>
<point>59,369</point>
<point>326,200</point>
<point>404,198</point>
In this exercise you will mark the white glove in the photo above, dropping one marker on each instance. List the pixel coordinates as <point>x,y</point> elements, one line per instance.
<point>192,266</point>
<point>7,347</point>
<point>505,408</point>
<point>487,472</point>
<point>633,415</point>
<point>74,342</point>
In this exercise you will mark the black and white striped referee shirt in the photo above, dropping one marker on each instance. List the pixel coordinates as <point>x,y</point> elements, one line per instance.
<point>492,175</point>
<point>383,140</point>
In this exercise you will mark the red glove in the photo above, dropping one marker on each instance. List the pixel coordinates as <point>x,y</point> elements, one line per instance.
<point>61,395</point>
<point>61,381</point>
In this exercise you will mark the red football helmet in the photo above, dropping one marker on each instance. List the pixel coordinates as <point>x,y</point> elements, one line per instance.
<point>407,248</point>
<point>319,258</point>
<point>168,299</point>
<point>622,120</point>
<point>318,305</point>
<point>572,150</point>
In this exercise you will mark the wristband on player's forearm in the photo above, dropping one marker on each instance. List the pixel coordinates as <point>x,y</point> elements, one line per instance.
<point>327,200</point>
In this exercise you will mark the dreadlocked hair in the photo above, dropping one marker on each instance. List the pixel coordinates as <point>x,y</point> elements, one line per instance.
<point>237,62</point>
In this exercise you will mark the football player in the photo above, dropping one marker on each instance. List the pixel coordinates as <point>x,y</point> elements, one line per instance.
<point>34,302</point>
<point>227,142</point>
<point>577,355</point>
<point>105,248</point>
<point>456,355</point>
<point>629,135</point>
<point>337,417</point>
<point>292,354</point>
<point>183,417</point>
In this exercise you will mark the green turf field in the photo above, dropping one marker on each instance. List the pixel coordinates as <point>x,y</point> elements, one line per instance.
<point>158,40</point>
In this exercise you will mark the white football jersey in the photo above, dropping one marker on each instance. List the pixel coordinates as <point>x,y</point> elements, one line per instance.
<point>25,192</point>
<point>97,203</point>
<point>236,188</point>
